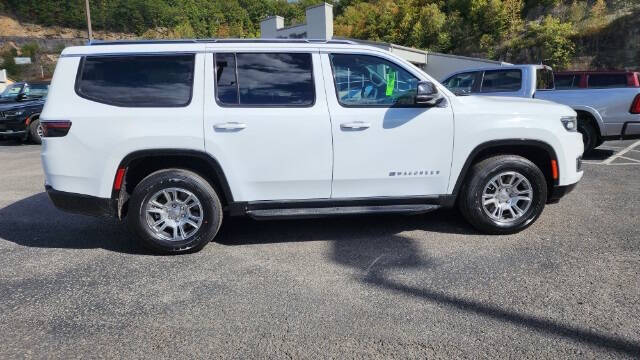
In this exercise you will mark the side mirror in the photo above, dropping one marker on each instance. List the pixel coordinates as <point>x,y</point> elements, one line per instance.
<point>427,94</point>
<point>21,97</point>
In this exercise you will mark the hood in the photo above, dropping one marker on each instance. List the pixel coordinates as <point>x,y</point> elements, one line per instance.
<point>22,104</point>
<point>515,105</point>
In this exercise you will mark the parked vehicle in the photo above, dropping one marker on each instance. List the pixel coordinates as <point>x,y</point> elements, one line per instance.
<point>174,136</point>
<point>606,113</point>
<point>566,80</point>
<point>22,120</point>
<point>23,91</point>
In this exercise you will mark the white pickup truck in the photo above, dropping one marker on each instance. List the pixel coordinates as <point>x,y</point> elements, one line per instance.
<point>603,113</point>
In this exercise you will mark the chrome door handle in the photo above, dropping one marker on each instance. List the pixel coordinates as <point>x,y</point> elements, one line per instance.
<point>356,125</point>
<point>229,126</point>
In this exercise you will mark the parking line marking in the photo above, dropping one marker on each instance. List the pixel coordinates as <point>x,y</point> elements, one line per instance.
<point>619,154</point>
<point>631,159</point>
<point>616,164</point>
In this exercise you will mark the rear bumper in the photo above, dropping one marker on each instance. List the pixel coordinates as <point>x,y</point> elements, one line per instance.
<point>559,191</point>
<point>81,204</point>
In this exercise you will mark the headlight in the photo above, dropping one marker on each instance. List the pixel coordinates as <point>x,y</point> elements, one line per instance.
<point>570,123</point>
<point>14,113</point>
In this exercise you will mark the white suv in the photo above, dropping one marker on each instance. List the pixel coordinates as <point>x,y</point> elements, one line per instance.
<point>175,135</point>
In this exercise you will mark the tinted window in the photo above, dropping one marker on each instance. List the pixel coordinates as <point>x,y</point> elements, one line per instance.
<point>564,82</point>
<point>544,79</point>
<point>607,80</point>
<point>461,83</point>
<point>11,91</point>
<point>362,80</point>
<point>265,79</point>
<point>501,81</point>
<point>226,78</point>
<point>36,90</point>
<point>137,81</point>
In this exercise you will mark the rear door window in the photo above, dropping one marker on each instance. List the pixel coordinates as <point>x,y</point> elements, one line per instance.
<point>137,81</point>
<point>461,83</point>
<point>544,79</point>
<point>566,82</point>
<point>607,80</point>
<point>264,79</point>
<point>501,81</point>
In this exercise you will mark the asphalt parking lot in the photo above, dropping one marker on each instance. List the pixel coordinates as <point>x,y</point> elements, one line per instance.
<point>424,286</point>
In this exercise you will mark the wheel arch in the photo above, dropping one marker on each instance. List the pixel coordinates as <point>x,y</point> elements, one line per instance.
<point>593,116</point>
<point>32,117</point>
<point>141,163</point>
<point>536,151</point>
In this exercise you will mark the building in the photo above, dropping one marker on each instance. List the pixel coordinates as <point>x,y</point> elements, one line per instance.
<point>319,26</point>
<point>4,80</point>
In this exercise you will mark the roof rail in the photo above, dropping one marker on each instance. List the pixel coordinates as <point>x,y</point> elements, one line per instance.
<point>224,41</point>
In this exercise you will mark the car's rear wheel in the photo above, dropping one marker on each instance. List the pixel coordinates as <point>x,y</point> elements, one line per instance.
<point>174,211</point>
<point>35,131</point>
<point>503,194</point>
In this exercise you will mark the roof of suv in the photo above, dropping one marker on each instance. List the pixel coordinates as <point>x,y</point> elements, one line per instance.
<point>190,45</point>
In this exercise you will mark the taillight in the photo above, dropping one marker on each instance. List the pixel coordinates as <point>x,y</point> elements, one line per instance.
<point>635,106</point>
<point>57,128</point>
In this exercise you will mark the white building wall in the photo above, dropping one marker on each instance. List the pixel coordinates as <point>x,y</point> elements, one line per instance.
<point>440,65</point>
<point>319,26</point>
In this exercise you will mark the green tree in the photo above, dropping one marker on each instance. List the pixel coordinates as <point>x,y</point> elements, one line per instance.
<point>552,39</point>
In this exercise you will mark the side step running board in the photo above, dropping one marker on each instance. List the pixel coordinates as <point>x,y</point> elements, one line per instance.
<point>337,211</point>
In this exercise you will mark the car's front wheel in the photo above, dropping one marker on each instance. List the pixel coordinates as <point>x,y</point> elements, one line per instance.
<point>35,132</point>
<point>503,194</point>
<point>174,211</point>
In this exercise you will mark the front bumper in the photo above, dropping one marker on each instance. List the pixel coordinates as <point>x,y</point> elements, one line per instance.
<point>13,133</point>
<point>13,127</point>
<point>82,204</point>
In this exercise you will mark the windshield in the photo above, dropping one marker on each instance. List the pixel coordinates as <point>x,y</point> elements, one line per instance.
<point>36,90</point>
<point>11,91</point>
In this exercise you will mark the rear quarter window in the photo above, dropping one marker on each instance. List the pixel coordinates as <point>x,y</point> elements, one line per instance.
<point>137,81</point>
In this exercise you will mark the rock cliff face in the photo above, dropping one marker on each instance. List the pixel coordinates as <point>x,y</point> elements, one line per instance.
<point>617,46</point>
<point>50,41</point>
<point>10,27</point>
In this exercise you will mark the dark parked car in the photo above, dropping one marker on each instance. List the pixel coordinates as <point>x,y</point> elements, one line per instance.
<point>22,120</point>
<point>24,91</point>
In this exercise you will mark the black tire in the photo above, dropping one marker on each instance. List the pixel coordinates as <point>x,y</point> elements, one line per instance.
<point>33,132</point>
<point>182,179</point>
<point>590,136</point>
<point>600,142</point>
<point>480,175</point>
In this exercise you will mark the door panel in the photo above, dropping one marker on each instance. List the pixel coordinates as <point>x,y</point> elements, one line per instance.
<point>382,150</point>
<point>276,152</point>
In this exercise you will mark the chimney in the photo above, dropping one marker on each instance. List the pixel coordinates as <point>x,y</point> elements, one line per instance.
<point>320,21</point>
<point>269,27</point>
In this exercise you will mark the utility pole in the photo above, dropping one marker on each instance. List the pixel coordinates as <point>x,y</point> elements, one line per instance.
<point>89,20</point>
